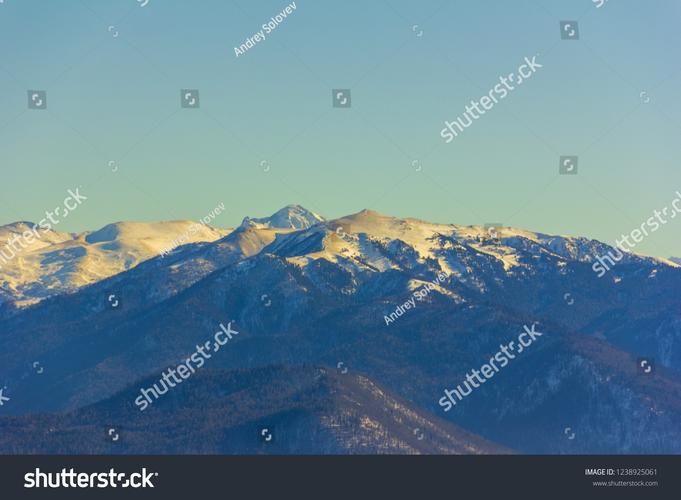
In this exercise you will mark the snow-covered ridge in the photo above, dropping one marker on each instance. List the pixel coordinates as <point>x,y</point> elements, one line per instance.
<point>371,242</point>
<point>363,242</point>
<point>64,262</point>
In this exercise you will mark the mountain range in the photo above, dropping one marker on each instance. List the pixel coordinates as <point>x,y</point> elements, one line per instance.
<point>64,262</point>
<point>87,320</point>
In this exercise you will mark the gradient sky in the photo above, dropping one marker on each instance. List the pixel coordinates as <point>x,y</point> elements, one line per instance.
<point>118,99</point>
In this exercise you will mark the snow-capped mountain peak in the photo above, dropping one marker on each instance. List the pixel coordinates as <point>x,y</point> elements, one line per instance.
<point>289,217</point>
<point>18,229</point>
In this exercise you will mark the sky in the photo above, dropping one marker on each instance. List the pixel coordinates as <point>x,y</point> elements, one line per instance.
<point>266,133</point>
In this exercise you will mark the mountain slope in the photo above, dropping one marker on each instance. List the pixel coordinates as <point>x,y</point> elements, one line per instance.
<point>60,263</point>
<point>304,409</point>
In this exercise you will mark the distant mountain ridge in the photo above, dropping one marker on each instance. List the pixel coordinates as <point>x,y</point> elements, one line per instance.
<point>64,262</point>
<point>61,263</point>
<point>318,295</point>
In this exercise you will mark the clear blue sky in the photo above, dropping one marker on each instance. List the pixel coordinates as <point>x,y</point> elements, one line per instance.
<point>117,98</point>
